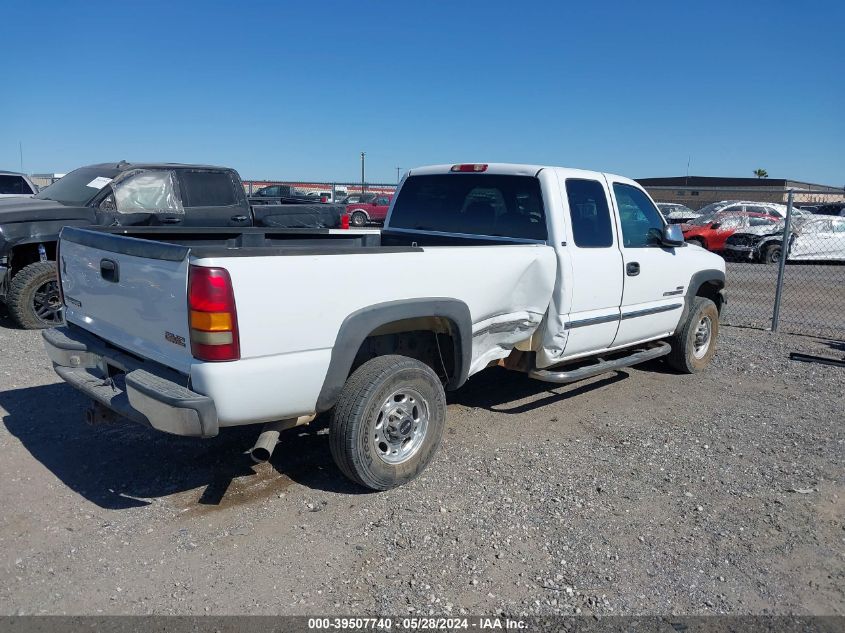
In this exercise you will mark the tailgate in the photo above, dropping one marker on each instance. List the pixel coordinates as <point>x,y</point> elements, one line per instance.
<point>128,291</point>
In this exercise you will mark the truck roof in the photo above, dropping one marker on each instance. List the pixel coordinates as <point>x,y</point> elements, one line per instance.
<point>517,169</point>
<point>124,166</point>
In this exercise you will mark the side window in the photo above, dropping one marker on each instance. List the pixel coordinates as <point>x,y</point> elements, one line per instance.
<point>731,222</point>
<point>641,222</point>
<point>754,221</point>
<point>147,191</point>
<point>207,189</point>
<point>589,214</point>
<point>759,209</point>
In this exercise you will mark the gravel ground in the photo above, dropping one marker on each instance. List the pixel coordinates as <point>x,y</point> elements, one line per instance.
<point>639,492</point>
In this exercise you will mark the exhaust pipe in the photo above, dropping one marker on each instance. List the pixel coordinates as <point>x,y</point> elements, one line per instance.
<point>266,442</point>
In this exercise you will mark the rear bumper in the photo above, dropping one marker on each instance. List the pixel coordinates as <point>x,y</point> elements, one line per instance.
<point>144,392</point>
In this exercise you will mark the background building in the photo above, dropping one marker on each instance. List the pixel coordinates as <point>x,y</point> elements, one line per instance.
<point>697,191</point>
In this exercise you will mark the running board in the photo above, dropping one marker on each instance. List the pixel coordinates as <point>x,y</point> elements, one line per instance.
<point>602,367</point>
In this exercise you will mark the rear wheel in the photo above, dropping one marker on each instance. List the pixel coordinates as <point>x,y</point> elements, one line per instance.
<point>359,218</point>
<point>33,300</point>
<point>694,344</point>
<point>772,254</point>
<point>388,421</point>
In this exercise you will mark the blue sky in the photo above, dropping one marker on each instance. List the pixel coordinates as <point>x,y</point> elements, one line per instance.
<point>294,90</point>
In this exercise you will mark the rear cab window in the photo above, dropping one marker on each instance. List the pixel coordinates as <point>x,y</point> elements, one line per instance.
<point>15,185</point>
<point>491,205</point>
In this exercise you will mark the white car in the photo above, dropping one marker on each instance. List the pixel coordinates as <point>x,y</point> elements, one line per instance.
<point>15,185</point>
<point>821,238</point>
<point>561,274</point>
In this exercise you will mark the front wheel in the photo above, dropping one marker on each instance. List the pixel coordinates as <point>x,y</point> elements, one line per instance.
<point>694,343</point>
<point>359,218</point>
<point>388,421</point>
<point>772,254</point>
<point>33,300</point>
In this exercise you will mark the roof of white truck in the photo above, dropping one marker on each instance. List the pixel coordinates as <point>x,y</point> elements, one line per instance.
<point>516,169</point>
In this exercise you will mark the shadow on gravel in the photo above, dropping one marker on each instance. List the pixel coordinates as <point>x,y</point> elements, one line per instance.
<point>122,465</point>
<point>496,388</point>
<point>6,321</point>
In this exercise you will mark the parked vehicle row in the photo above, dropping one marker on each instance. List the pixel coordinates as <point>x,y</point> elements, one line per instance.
<point>560,274</point>
<point>122,195</point>
<point>272,194</point>
<point>680,214</point>
<point>753,231</point>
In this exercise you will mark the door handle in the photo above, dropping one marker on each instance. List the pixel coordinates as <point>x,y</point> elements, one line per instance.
<point>171,220</point>
<point>109,270</point>
<point>632,269</point>
<point>239,218</point>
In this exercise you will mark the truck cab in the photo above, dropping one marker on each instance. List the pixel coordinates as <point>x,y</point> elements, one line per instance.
<point>619,280</point>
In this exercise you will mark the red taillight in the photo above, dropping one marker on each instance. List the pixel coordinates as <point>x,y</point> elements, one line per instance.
<point>212,316</point>
<point>470,167</point>
<point>324,199</point>
<point>344,221</point>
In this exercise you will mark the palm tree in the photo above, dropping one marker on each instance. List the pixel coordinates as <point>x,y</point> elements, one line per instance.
<point>761,173</point>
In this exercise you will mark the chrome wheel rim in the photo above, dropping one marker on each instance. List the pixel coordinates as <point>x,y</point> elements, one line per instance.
<point>400,427</point>
<point>47,303</point>
<point>703,334</point>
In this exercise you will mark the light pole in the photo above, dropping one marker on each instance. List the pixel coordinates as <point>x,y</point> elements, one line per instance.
<point>398,173</point>
<point>362,172</point>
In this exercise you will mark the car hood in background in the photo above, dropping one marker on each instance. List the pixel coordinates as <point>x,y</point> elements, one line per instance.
<point>34,210</point>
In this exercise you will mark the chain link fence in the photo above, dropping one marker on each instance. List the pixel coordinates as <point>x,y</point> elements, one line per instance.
<point>785,252</point>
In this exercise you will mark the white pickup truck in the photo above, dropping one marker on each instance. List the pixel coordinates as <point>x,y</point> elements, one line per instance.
<point>562,274</point>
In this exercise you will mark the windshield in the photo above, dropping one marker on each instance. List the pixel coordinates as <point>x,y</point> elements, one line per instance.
<point>79,186</point>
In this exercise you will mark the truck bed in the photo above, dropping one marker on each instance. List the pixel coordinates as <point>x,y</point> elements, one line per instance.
<point>227,241</point>
<point>294,290</point>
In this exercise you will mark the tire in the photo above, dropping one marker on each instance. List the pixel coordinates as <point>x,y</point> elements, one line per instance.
<point>33,299</point>
<point>687,355</point>
<point>358,218</point>
<point>772,254</point>
<point>370,427</point>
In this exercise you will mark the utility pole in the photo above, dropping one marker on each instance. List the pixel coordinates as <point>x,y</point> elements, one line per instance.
<point>363,185</point>
<point>398,174</point>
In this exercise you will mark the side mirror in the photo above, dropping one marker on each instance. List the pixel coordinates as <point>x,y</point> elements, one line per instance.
<point>715,225</point>
<point>672,235</point>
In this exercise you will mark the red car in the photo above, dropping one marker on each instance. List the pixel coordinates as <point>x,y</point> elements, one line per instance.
<point>360,213</point>
<point>711,231</point>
